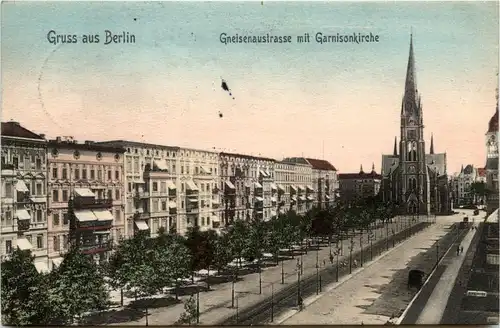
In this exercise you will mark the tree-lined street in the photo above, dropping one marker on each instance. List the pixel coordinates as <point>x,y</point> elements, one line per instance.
<point>227,270</point>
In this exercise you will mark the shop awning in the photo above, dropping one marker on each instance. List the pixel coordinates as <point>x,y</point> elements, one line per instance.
<point>273,186</point>
<point>85,216</point>
<point>310,198</point>
<point>172,205</point>
<point>24,244</point>
<point>161,165</point>
<point>280,187</point>
<point>57,261</point>
<point>205,169</point>
<point>273,199</point>
<point>41,267</point>
<point>310,188</point>
<point>303,198</point>
<point>22,215</point>
<point>294,198</point>
<point>84,192</point>
<point>193,199</point>
<point>293,187</point>
<point>273,213</point>
<point>282,211</point>
<point>257,185</point>
<point>214,218</point>
<point>301,188</point>
<point>229,185</point>
<point>170,184</point>
<point>259,199</point>
<point>21,186</point>
<point>327,197</point>
<point>264,174</point>
<point>103,215</point>
<point>190,185</point>
<point>267,173</point>
<point>215,202</point>
<point>141,225</point>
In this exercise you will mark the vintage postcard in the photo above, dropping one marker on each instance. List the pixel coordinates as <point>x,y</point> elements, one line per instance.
<point>249,163</point>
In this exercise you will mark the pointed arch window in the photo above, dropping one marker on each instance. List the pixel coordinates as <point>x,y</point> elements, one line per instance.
<point>411,154</point>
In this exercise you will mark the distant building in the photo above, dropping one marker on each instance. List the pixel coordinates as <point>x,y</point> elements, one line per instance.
<point>325,183</point>
<point>492,161</point>
<point>86,192</point>
<point>297,182</point>
<point>355,187</point>
<point>417,181</point>
<point>24,193</point>
<point>462,182</point>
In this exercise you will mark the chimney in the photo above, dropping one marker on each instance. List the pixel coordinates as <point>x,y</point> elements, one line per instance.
<point>58,139</point>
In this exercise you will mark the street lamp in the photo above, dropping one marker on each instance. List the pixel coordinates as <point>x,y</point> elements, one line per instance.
<point>197,304</point>
<point>370,238</point>
<point>282,271</point>
<point>299,298</point>
<point>232,290</point>
<point>361,246</point>
<point>393,237</point>
<point>351,247</point>
<point>260,279</point>
<point>272,302</point>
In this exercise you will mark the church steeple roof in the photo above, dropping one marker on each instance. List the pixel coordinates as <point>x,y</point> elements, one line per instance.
<point>361,169</point>
<point>373,167</point>
<point>432,144</point>
<point>395,151</point>
<point>411,98</point>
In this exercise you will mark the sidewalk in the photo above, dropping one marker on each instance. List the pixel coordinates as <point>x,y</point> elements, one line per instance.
<point>215,305</point>
<point>436,304</point>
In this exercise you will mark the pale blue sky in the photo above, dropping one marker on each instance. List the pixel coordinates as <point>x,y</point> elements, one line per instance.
<point>288,98</point>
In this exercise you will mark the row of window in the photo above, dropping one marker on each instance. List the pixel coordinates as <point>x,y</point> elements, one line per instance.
<point>39,243</point>
<point>29,162</point>
<point>35,187</point>
<point>37,216</point>
<point>84,173</point>
<point>100,194</point>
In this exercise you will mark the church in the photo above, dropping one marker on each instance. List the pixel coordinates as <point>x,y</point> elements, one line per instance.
<point>411,178</point>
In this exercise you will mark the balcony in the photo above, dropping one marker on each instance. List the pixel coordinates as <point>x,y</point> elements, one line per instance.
<point>141,194</point>
<point>96,247</point>
<point>172,193</point>
<point>8,170</point>
<point>23,225</point>
<point>215,190</point>
<point>90,203</point>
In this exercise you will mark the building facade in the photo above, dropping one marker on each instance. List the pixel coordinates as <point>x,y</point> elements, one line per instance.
<point>152,184</point>
<point>325,183</point>
<point>461,184</point>
<point>411,178</point>
<point>24,190</point>
<point>354,187</point>
<point>492,161</point>
<point>86,190</point>
<point>247,187</point>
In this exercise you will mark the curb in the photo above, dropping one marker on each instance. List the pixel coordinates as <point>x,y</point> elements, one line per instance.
<point>310,300</point>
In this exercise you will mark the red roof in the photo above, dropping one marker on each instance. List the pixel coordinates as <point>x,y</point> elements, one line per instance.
<point>350,176</point>
<point>14,129</point>
<point>320,164</point>
<point>481,172</point>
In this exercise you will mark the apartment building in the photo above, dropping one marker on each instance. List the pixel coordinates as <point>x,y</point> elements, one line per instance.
<point>24,189</point>
<point>357,186</point>
<point>152,184</point>
<point>199,192</point>
<point>492,161</point>
<point>461,185</point>
<point>86,190</point>
<point>248,190</point>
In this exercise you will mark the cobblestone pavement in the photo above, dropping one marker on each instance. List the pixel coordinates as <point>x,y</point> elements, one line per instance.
<point>216,303</point>
<point>345,302</point>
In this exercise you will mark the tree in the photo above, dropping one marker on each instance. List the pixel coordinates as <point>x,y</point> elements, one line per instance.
<point>238,234</point>
<point>130,266</point>
<point>189,314</point>
<point>222,252</point>
<point>24,292</point>
<point>77,287</point>
<point>179,261</point>
<point>479,189</point>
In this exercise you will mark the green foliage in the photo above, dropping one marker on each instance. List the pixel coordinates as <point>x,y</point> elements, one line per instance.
<point>189,315</point>
<point>222,251</point>
<point>202,248</point>
<point>238,236</point>
<point>77,287</point>
<point>23,293</point>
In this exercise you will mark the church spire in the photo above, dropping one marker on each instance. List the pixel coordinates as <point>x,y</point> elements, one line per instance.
<point>395,151</point>
<point>373,167</point>
<point>410,100</point>
<point>432,144</point>
<point>361,169</point>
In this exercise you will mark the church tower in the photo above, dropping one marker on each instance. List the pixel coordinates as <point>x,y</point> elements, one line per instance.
<point>412,145</point>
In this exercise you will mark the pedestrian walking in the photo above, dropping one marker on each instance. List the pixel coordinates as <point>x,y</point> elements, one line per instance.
<point>324,262</point>
<point>331,258</point>
<point>461,249</point>
<point>301,303</point>
<point>355,263</point>
<point>458,250</point>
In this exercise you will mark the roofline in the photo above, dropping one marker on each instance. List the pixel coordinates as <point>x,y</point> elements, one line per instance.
<point>247,156</point>
<point>25,139</point>
<point>90,147</point>
<point>140,144</point>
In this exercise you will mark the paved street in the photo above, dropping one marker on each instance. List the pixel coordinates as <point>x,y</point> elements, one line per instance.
<point>436,304</point>
<point>215,304</point>
<point>343,303</point>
